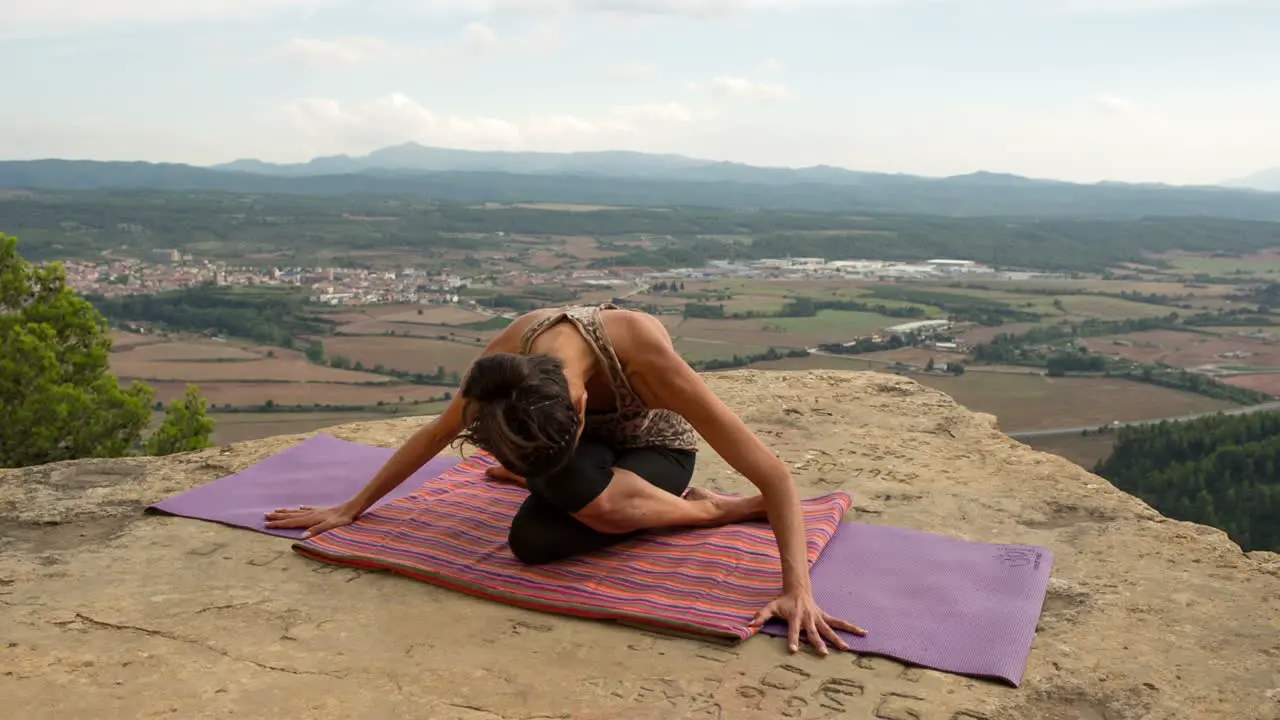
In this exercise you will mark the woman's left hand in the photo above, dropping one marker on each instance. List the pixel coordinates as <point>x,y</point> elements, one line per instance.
<point>802,613</point>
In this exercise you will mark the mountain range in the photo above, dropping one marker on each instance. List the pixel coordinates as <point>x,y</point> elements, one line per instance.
<point>1268,180</point>
<point>644,179</point>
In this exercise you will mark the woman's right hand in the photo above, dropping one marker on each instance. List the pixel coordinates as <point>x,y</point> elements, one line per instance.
<point>314,520</point>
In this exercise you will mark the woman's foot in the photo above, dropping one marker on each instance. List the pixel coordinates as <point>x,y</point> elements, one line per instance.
<point>501,474</point>
<point>727,509</point>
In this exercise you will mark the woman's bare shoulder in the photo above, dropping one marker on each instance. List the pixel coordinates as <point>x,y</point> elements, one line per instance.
<point>634,331</point>
<point>508,339</point>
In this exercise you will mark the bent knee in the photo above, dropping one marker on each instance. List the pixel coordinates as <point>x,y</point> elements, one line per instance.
<point>532,547</point>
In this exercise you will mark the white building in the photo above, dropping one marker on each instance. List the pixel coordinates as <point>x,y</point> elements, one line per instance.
<point>919,325</point>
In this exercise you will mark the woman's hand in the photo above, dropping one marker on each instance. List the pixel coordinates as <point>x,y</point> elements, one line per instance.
<point>314,520</point>
<point>801,612</point>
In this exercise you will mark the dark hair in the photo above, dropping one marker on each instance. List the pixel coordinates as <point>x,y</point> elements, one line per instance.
<point>518,409</point>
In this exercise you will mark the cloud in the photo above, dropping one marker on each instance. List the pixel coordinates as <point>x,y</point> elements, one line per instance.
<point>542,37</point>
<point>339,51</point>
<point>621,7</point>
<point>330,125</point>
<point>475,39</point>
<point>1114,104</point>
<point>708,9</point>
<point>39,17</point>
<point>632,71</point>
<point>630,118</point>
<point>772,64</point>
<point>43,17</point>
<point>1137,5</point>
<point>478,37</point>
<point>736,88</point>
<point>28,17</point>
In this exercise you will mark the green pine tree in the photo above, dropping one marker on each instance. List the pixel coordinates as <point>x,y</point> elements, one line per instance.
<point>58,399</point>
<point>186,426</point>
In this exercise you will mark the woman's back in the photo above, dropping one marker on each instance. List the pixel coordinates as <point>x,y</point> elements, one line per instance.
<point>631,423</point>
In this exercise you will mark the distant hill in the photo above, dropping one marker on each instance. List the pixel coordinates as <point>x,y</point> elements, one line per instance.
<point>415,158</point>
<point>419,158</point>
<point>1268,180</point>
<point>641,179</point>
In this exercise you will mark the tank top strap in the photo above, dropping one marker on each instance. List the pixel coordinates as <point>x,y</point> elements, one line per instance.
<point>586,318</point>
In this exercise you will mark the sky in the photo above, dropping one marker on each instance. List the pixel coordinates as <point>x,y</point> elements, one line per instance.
<point>1175,91</point>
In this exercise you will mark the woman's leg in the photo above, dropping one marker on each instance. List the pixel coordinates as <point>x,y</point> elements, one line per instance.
<point>544,531</point>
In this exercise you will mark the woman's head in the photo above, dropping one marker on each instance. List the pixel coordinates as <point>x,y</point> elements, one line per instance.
<point>518,407</point>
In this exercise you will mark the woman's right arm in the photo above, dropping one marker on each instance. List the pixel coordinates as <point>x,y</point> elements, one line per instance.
<point>421,447</point>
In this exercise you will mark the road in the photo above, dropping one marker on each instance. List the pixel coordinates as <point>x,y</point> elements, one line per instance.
<point>1020,434</point>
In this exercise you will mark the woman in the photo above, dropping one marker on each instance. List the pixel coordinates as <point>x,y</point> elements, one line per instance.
<point>594,411</point>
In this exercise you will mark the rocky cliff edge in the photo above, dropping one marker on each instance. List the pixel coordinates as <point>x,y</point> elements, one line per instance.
<point>109,613</point>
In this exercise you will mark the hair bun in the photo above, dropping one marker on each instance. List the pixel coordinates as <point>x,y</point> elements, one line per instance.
<point>497,377</point>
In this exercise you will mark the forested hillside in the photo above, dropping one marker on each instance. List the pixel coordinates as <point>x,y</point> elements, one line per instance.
<point>1222,471</point>
<point>235,226</point>
<point>735,188</point>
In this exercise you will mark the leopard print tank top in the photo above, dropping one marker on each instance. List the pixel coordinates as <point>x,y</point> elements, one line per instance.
<point>632,425</point>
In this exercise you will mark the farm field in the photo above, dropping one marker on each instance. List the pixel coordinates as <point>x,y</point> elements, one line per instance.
<point>1258,264</point>
<point>409,354</point>
<point>1108,308</point>
<point>975,334</point>
<point>1085,451</point>
<point>738,332</point>
<point>244,394</point>
<point>750,303</point>
<point>361,313</point>
<point>1034,402</point>
<point>239,427</point>
<point>433,315</point>
<point>917,356</point>
<point>697,349</point>
<point>827,326</point>
<point>121,340</point>
<point>1264,332</point>
<point>1185,349</point>
<point>380,327</point>
<point>780,288</point>
<point>836,325</point>
<point>1115,287</point>
<point>176,351</point>
<point>1262,382</point>
<point>262,369</point>
<point>820,362</point>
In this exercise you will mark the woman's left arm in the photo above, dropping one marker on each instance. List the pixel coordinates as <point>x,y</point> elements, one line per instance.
<point>666,381</point>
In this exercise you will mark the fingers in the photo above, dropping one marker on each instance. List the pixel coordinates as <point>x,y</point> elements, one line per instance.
<point>323,526</point>
<point>845,625</point>
<point>793,633</point>
<point>288,521</point>
<point>290,517</point>
<point>830,634</point>
<point>763,616</point>
<point>815,638</point>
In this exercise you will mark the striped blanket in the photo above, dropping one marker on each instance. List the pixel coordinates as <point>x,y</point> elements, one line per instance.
<point>452,532</point>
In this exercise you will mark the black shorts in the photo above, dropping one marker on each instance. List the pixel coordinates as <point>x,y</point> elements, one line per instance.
<point>544,529</point>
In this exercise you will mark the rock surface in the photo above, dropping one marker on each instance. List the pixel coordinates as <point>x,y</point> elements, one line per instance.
<point>109,613</point>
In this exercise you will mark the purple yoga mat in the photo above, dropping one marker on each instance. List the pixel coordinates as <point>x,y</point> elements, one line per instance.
<point>319,471</point>
<point>954,605</point>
